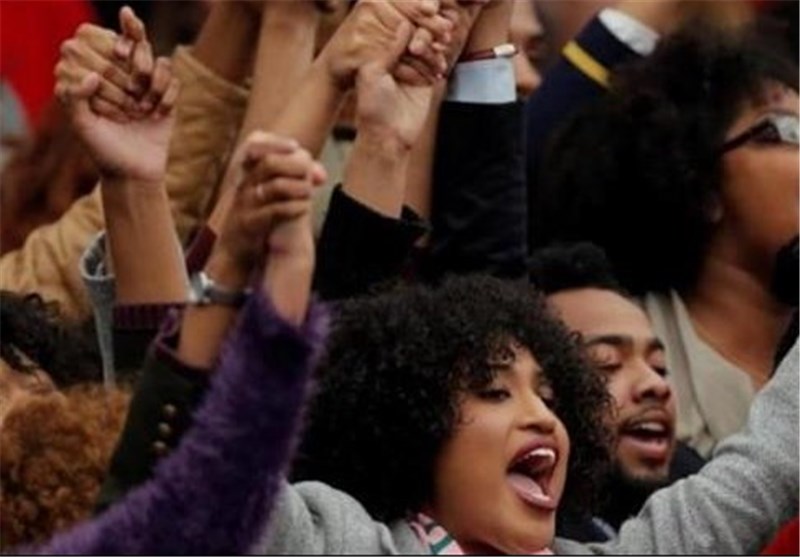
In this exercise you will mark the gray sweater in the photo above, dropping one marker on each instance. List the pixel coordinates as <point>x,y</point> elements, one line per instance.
<point>733,506</point>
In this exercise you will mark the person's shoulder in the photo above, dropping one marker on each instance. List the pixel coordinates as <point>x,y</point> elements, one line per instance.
<point>315,518</point>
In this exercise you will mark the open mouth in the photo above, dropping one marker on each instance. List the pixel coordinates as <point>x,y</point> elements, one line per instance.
<point>529,476</point>
<point>651,437</point>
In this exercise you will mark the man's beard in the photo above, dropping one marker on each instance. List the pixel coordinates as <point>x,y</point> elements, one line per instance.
<point>624,494</point>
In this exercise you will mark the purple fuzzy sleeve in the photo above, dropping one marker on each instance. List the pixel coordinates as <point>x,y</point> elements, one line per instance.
<point>214,493</point>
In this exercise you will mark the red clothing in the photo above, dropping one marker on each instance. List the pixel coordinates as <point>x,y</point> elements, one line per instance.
<point>787,542</point>
<point>31,33</point>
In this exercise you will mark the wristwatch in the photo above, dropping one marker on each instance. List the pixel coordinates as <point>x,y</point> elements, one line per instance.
<point>506,50</point>
<point>204,292</point>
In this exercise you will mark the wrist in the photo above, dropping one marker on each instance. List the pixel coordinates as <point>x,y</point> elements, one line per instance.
<point>227,270</point>
<point>376,174</point>
<point>128,191</point>
<point>292,243</point>
<point>382,141</point>
<point>492,28</point>
<point>325,69</point>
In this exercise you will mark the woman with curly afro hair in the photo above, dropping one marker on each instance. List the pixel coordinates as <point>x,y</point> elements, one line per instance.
<point>687,176</point>
<point>441,401</point>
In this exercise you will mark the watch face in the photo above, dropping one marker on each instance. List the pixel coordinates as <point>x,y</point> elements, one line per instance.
<point>199,283</point>
<point>205,291</point>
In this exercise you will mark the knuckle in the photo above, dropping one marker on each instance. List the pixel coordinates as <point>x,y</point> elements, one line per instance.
<point>84,29</point>
<point>258,136</point>
<point>164,63</point>
<point>68,47</point>
<point>109,71</point>
<point>304,157</point>
<point>270,161</point>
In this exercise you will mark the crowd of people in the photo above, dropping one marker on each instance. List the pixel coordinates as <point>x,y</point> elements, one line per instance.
<point>406,277</point>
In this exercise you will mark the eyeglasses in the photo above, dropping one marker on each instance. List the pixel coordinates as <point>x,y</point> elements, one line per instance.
<point>775,129</point>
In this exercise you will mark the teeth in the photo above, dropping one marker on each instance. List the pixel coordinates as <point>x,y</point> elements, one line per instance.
<point>652,427</point>
<point>542,452</point>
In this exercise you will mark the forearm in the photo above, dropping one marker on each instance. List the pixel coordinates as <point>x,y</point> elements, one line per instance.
<point>283,59</point>
<point>284,56</point>
<point>204,328</point>
<point>360,248</point>
<point>420,171</point>
<point>225,42</point>
<point>145,252</point>
<point>313,109</point>
<point>287,281</point>
<point>376,172</point>
<point>479,217</point>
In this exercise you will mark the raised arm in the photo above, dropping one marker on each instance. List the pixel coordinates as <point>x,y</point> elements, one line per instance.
<point>478,211</point>
<point>278,179</point>
<point>233,458</point>
<point>371,245</point>
<point>740,499</point>
<point>129,144</point>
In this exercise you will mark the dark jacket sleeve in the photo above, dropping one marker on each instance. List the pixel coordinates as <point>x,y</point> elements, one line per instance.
<point>478,207</point>
<point>359,248</point>
<point>564,90</point>
<point>160,413</point>
<point>214,493</point>
<point>166,395</point>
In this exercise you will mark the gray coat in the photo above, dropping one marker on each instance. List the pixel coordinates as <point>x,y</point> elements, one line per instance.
<point>733,506</point>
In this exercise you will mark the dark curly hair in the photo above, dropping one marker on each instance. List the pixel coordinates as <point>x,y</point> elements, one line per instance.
<point>390,385</point>
<point>560,267</point>
<point>638,171</point>
<point>34,335</point>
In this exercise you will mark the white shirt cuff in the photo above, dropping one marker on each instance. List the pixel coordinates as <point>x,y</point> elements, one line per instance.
<point>638,36</point>
<point>483,82</point>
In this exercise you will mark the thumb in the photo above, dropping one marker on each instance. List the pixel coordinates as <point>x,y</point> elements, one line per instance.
<point>399,44</point>
<point>76,97</point>
<point>318,174</point>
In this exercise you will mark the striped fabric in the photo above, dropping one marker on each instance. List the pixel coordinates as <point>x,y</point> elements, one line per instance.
<point>434,536</point>
<point>586,63</point>
<point>438,540</point>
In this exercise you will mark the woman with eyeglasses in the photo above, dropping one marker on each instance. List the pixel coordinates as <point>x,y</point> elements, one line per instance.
<point>687,175</point>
